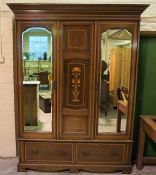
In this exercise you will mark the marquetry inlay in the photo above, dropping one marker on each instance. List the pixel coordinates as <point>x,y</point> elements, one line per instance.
<point>76,83</point>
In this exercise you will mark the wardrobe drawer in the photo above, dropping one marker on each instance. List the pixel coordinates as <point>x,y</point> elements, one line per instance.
<point>100,153</point>
<point>47,151</point>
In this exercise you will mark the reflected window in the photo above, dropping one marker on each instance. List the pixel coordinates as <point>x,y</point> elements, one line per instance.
<point>37,46</point>
<point>114,80</point>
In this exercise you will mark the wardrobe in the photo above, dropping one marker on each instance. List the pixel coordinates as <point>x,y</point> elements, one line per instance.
<point>73,135</point>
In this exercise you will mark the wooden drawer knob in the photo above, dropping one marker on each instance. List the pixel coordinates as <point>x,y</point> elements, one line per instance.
<point>86,153</point>
<point>34,152</point>
<point>114,153</point>
<point>63,153</point>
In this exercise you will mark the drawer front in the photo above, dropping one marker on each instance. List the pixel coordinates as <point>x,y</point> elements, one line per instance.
<point>100,153</point>
<point>47,151</point>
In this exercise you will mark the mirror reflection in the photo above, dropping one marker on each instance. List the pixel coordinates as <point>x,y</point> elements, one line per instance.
<point>115,77</point>
<point>37,79</point>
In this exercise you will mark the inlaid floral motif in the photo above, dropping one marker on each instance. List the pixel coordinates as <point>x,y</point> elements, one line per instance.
<point>76,83</point>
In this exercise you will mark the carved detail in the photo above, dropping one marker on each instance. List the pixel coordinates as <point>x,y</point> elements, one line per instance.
<point>76,83</point>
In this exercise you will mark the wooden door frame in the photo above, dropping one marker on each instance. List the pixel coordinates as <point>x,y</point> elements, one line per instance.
<point>21,26</point>
<point>131,27</point>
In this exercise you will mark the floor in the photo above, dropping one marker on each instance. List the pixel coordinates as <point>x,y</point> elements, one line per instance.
<point>44,119</point>
<point>8,167</point>
<point>107,124</point>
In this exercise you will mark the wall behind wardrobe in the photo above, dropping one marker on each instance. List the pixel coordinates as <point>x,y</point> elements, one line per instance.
<point>7,116</point>
<point>146,89</point>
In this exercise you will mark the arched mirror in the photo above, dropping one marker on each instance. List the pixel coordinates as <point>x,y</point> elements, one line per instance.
<point>114,79</point>
<point>37,79</point>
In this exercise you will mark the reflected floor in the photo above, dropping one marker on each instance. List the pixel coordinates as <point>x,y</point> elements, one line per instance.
<point>108,123</point>
<point>46,120</point>
<point>44,123</point>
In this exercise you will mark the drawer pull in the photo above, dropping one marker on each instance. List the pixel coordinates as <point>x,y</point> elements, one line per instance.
<point>34,152</point>
<point>63,153</point>
<point>86,153</point>
<point>114,153</point>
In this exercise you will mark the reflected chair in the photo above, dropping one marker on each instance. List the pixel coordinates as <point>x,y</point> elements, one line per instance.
<point>122,93</point>
<point>43,78</point>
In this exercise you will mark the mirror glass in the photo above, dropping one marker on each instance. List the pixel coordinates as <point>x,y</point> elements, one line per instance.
<point>37,79</point>
<point>114,80</point>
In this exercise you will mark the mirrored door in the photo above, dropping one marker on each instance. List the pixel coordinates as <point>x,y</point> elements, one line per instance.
<point>113,86</point>
<point>37,76</point>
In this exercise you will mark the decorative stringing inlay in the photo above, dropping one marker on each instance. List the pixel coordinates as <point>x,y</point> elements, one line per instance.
<point>76,83</point>
<point>77,39</point>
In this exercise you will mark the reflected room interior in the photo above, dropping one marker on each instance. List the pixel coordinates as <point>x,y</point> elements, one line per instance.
<point>114,80</point>
<point>37,79</point>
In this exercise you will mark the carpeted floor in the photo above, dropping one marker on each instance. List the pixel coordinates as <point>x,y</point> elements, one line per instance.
<point>8,167</point>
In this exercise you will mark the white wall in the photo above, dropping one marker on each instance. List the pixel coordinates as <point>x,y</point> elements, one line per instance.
<point>7,117</point>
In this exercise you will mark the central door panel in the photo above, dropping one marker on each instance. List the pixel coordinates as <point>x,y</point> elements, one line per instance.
<point>76,65</point>
<point>75,84</point>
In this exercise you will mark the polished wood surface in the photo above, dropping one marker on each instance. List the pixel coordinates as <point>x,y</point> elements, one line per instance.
<point>54,152</point>
<point>73,144</point>
<point>100,153</point>
<point>147,127</point>
<point>131,12</point>
<point>76,55</point>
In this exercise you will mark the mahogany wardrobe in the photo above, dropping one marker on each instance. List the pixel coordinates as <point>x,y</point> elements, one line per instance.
<point>75,69</point>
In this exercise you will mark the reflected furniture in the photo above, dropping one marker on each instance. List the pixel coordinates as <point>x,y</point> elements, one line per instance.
<point>121,109</point>
<point>36,66</point>
<point>75,143</point>
<point>30,102</point>
<point>147,127</point>
<point>45,102</point>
